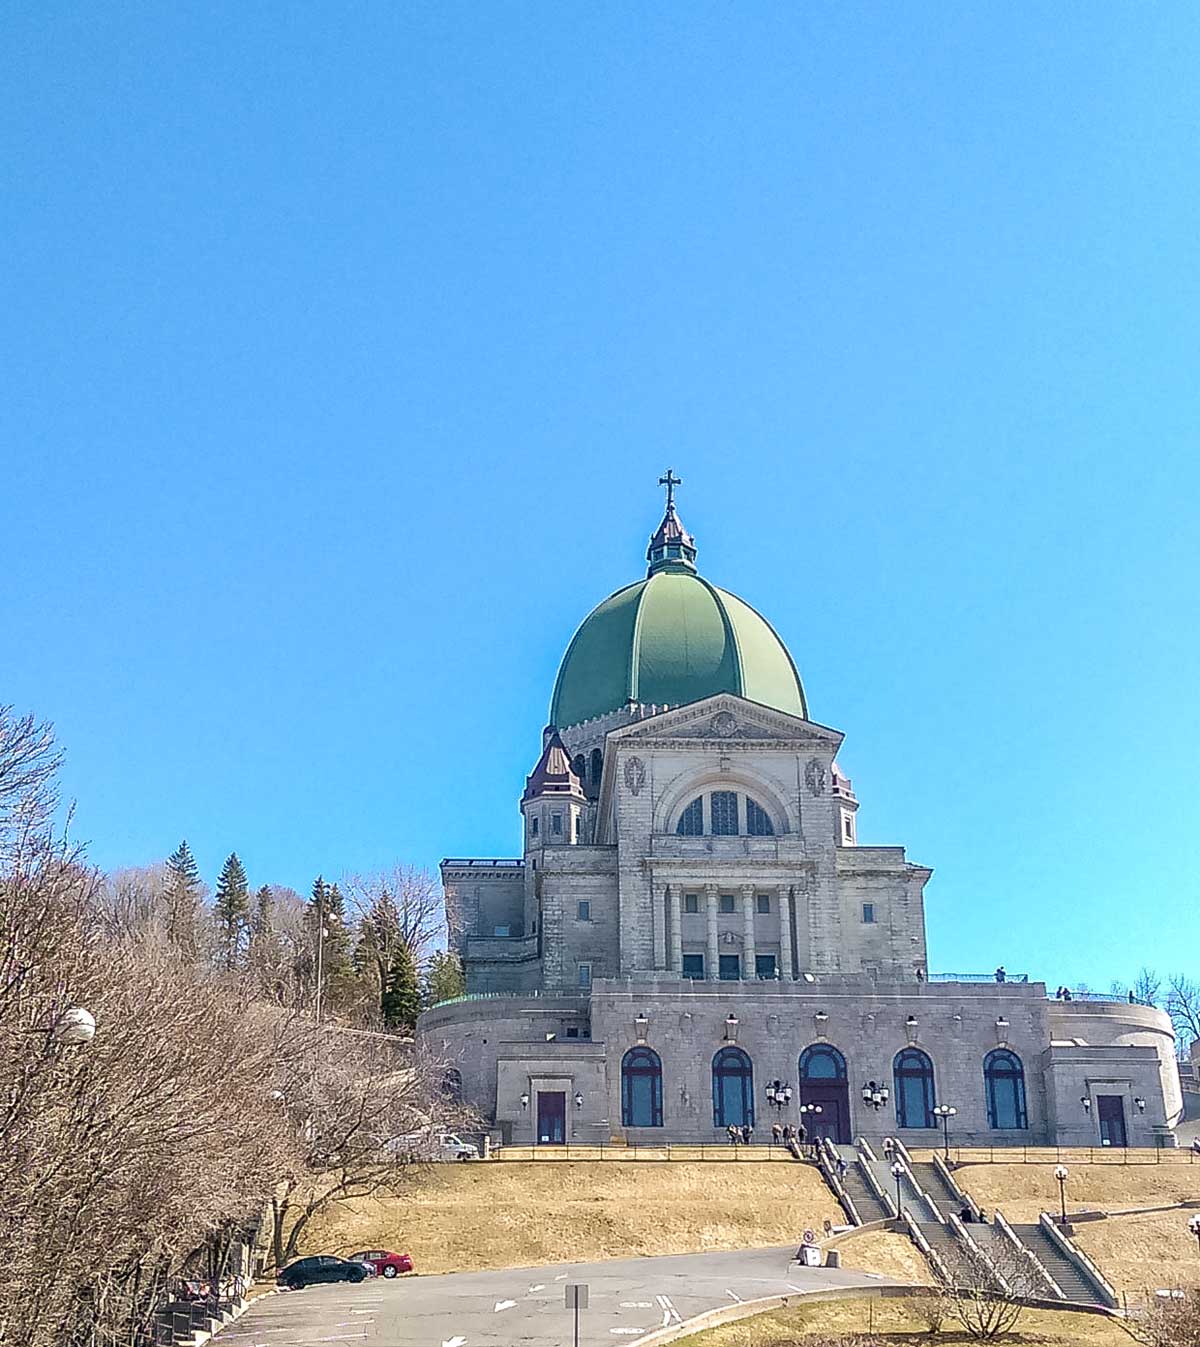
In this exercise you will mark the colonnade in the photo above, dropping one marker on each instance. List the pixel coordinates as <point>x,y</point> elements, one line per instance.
<point>668,927</point>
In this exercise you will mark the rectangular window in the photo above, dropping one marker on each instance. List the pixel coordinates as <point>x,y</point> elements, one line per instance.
<point>723,805</point>
<point>577,827</point>
<point>763,902</point>
<point>584,910</point>
<point>533,825</point>
<point>764,967</point>
<point>693,967</point>
<point>501,932</point>
<point>573,1031</point>
<point>726,902</point>
<point>847,827</point>
<point>730,967</point>
<point>556,824</point>
<point>691,902</point>
<point>585,976</point>
<point>869,913</point>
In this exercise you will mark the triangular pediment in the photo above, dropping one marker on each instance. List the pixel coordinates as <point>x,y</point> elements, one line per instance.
<point>726,717</point>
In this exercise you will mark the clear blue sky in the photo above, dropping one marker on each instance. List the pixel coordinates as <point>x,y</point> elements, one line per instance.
<point>342,347</point>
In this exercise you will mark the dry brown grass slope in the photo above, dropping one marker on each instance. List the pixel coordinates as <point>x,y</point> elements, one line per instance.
<point>514,1215</point>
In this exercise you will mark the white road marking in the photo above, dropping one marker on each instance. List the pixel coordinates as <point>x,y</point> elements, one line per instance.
<point>541,1286</point>
<point>504,1305</point>
<point>669,1305</point>
<point>636,1305</point>
<point>666,1318</point>
<point>454,1342</point>
<point>562,1277</point>
<point>794,1287</point>
<point>626,1332</point>
<point>733,1295</point>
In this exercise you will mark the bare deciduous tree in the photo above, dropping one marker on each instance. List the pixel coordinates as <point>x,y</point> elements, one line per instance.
<point>988,1297</point>
<point>1183,1006</point>
<point>1166,1321</point>
<point>414,896</point>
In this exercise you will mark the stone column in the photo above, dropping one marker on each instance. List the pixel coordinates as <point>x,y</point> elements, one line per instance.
<point>785,933</point>
<point>749,971</point>
<point>676,910</point>
<point>712,959</point>
<point>658,916</point>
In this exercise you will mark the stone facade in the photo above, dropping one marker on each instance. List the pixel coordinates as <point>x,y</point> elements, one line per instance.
<point>690,882</point>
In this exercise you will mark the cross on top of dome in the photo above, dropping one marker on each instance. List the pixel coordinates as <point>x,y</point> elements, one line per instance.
<point>671,547</point>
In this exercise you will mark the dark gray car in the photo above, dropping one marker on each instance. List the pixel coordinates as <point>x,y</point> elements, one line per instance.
<point>320,1268</point>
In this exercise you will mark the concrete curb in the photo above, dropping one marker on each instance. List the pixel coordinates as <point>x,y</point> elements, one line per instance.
<point>235,1313</point>
<point>747,1309</point>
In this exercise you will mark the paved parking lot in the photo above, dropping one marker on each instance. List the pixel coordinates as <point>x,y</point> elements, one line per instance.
<point>628,1298</point>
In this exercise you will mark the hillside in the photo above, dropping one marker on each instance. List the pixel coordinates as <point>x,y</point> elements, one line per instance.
<point>512,1214</point>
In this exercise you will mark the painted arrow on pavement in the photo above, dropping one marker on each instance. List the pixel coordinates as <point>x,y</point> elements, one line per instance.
<point>505,1305</point>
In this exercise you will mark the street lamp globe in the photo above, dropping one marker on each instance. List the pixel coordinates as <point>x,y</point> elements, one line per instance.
<point>75,1027</point>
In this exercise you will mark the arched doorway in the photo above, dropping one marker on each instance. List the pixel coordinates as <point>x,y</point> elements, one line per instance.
<point>733,1089</point>
<point>823,1082</point>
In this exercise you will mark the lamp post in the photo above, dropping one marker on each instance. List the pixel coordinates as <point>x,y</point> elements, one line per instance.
<point>897,1174</point>
<point>874,1096</point>
<point>807,1110</point>
<point>1194,1227</point>
<point>1060,1173</point>
<point>945,1112</point>
<point>779,1096</point>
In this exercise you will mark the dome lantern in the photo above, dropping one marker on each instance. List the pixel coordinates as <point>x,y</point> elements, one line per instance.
<point>671,546</point>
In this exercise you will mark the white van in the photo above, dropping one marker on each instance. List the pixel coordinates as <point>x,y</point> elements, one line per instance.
<point>452,1147</point>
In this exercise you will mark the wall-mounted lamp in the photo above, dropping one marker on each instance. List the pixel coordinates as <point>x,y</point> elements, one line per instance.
<point>875,1096</point>
<point>578,1099</point>
<point>524,1099</point>
<point>910,1028</point>
<point>1139,1103</point>
<point>1001,1029</point>
<point>640,1024</point>
<point>1086,1101</point>
<point>820,1020</point>
<point>731,1025</point>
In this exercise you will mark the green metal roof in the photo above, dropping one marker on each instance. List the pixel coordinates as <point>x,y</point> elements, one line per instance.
<point>668,640</point>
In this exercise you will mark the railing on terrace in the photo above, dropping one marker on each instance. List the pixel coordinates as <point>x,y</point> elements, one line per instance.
<point>483,863</point>
<point>509,996</point>
<point>1068,1155</point>
<point>978,977</point>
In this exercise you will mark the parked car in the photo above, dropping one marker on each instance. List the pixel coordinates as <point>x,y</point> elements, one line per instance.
<point>453,1147</point>
<point>384,1264</point>
<point>321,1268</point>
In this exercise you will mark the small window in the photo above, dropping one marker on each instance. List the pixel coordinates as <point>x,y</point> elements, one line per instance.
<point>691,902</point>
<point>691,821</point>
<point>501,932</point>
<point>573,1031</point>
<point>848,827</point>
<point>869,913</point>
<point>723,805</point>
<point>533,825</point>
<point>729,967</point>
<point>585,976</point>
<point>758,821</point>
<point>584,909</point>
<point>763,903</point>
<point>764,967</point>
<point>693,967</point>
<point>726,902</point>
<point>577,827</point>
<point>556,824</point>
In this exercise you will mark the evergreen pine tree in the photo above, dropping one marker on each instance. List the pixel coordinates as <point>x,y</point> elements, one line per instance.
<point>182,893</point>
<point>401,1002</point>
<point>444,979</point>
<point>231,909</point>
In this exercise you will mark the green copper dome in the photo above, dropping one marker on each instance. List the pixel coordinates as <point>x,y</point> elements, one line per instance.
<point>670,639</point>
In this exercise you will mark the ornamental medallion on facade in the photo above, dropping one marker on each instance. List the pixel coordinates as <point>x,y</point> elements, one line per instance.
<point>724,725</point>
<point>635,775</point>
<point>814,777</point>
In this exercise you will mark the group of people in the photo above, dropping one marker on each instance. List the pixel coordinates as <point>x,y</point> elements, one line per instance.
<point>740,1136</point>
<point>1063,994</point>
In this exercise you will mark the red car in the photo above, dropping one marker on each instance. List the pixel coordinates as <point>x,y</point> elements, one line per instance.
<point>384,1264</point>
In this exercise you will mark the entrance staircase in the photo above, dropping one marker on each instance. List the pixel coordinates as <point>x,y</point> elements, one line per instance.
<point>944,1221</point>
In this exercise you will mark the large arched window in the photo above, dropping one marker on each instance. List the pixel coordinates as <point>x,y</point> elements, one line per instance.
<point>913,1079</point>
<point>1004,1077</point>
<point>822,1062</point>
<point>724,813</point>
<point>733,1089</point>
<point>579,767</point>
<point>597,766</point>
<point>641,1088</point>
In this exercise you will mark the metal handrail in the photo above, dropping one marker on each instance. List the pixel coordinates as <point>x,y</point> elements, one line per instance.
<point>1022,1248</point>
<point>1070,1250</point>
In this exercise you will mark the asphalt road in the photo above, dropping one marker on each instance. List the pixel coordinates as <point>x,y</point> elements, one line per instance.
<point>525,1306</point>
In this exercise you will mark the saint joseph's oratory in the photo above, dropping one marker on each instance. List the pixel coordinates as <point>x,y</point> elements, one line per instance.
<point>692,924</point>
